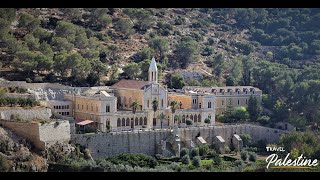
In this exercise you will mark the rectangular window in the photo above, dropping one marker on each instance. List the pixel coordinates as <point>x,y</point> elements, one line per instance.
<point>222,102</point>
<point>108,108</point>
<point>238,101</point>
<point>87,107</point>
<point>96,108</point>
<point>82,106</point>
<point>67,107</point>
<point>67,113</point>
<point>246,101</point>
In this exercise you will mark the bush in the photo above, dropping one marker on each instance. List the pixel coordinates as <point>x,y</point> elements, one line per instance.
<point>252,156</point>
<point>264,120</point>
<point>203,150</point>
<point>133,160</point>
<point>194,152</point>
<point>227,149</point>
<point>189,122</point>
<point>244,155</point>
<point>185,159</point>
<point>239,163</point>
<point>184,151</point>
<point>217,160</point>
<point>196,161</point>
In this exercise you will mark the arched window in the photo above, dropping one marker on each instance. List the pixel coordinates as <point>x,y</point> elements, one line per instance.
<point>140,121</point>
<point>145,121</point>
<point>125,102</point>
<point>136,122</point>
<point>118,122</point>
<point>151,76</point>
<point>195,118</point>
<point>183,119</point>
<point>128,122</point>
<point>238,101</point>
<point>191,117</point>
<point>199,118</point>
<point>123,122</point>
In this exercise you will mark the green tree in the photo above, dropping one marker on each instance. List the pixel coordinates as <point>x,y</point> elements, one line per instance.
<point>144,67</point>
<point>203,150</point>
<point>66,30</point>
<point>184,151</point>
<point>155,105</point>
<point>253,108</point>
<point>162,117</point>
<point>32,42</point>
<point>248,64</point>
<point>246,139</point>
<point>28,21</point>
<point>124,26</point>
<point>60,44</point>
<point>196,161</point>
<point>194,152</point>
<point>241,114</point>
<point>44,62</point>
<point>185,159</point>
<point>160,46</point>
<point>131,70</point>
<point>252,156</point>
<point>173,106</point>
<point>187,51</point>
<point>244,155</point>
<point>236,70</point>
<point>72,13</point>
<point>45,48</point>
<point>176,82</point>
<point>218,65</point>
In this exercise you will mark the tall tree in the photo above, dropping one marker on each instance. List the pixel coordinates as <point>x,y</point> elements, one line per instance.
<point>254,108</point>
<point>155,104</point>
<point>174,106</point>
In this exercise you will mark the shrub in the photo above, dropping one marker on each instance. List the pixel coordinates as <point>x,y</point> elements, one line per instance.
<point>133,160</point>
<point>264,120</point>
<point>217,160</point>
<point>184,151</point>
<point>239,163</point>
<point>252,156</point>
<point>196,161</point>
<point>189,122</point>
<point>207,121</point>
<point>194,152</point>
<point>159,156</point>
<point>185,159</point>
<point>244,155</point>
<point>227,149</point>
<point>203,150</point>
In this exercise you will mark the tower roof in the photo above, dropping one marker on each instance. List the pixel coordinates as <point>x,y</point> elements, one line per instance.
<point>153,65</point>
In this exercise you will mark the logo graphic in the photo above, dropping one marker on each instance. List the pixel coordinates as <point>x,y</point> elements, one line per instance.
<point>301,162</point>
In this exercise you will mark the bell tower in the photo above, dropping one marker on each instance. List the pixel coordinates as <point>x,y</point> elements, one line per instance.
<point>153,71</point>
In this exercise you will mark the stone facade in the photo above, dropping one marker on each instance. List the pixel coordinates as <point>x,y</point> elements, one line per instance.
<point>41,135</point>
<point>149,142</point>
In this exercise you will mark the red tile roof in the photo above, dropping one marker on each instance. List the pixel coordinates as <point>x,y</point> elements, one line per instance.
<point>130,84</point>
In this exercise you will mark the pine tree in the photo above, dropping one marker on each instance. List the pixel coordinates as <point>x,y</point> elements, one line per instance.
<point>253,108</point>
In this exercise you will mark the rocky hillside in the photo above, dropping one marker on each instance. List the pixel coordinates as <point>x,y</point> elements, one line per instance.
<point>16,156</point>
<point>36,41</point>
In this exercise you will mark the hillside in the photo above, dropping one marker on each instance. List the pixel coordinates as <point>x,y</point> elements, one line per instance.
<point>276,50</point>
